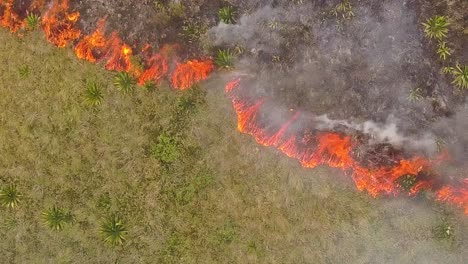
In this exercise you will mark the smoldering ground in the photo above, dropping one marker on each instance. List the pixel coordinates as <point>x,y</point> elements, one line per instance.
<point>354,69</point>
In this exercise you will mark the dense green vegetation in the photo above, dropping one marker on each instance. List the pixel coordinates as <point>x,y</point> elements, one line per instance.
<point>163,177</point>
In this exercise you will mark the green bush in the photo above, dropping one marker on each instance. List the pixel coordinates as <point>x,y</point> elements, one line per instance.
<point>166,149</point>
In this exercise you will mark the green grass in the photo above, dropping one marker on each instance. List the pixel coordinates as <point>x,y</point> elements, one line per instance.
<point>224,199</point>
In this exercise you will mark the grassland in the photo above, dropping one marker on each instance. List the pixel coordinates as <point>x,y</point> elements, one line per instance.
<point>189,188</point>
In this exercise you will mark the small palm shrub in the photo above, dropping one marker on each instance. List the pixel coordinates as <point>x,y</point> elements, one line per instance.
<point>224,59</point>
<point>56,218</point>
<point>10,197</point>
<point>406,182</point>
<point>436,27</point>
<point>343,9</point>
<point>415,95</point>
<point>23,71</point>
<point>124,82</point>
<point>460,75</point>
<point>113,231</point>
<point>226,15</point>
<point>32,21</point>
<point>93,93</point>
<point>149,86</point>
<point>444,231</point>
<point>443,50</point>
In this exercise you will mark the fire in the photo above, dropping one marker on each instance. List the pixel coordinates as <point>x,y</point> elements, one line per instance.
<point>313,148</point>
<point>10,19</point>
<point>119,55</point>
<point>59,25</point>
<point>157,68</point>
<point>92,47</point>
<point>191,72</point>
<point>455,195</point>
<point>157,64</point>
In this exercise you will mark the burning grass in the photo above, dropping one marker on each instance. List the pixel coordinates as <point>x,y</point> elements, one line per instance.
<point>59,24</point>
<point>313,148</point>
<point>220,201</point>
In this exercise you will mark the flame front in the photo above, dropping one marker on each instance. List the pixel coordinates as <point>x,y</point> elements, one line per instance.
<point>334,149</point>
<point>59,25</point>
<point>9,18</point>
<point>191,72</point>
<point>92,47</point>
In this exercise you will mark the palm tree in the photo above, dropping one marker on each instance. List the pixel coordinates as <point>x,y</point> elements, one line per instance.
<point>436,27</point>
<point>124,82</point>
<point>56,218</point>
<point>10,197</point>
<point>113,231</point>
<point>93,94</point>
<point>226,15</point>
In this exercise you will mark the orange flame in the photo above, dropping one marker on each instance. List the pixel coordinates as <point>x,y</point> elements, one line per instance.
<point>335,150</point>
<point>10,19</point>
<point>191,72</point>
<point>119,55</point>
<point>455,195</point>
<point>91,47</point>
<point>157,69</point>
<point>59,25</point>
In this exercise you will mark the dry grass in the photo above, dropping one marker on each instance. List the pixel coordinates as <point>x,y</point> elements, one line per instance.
<point>225,200</point>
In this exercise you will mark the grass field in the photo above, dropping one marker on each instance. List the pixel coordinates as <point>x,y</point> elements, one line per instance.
<point>189,188</point>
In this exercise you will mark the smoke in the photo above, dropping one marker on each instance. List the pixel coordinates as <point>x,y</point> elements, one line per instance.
<point>360,71</point>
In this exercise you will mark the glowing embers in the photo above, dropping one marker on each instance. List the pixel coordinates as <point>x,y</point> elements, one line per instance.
<point>59,25</point>
<point>9,18</point>
<point>189,73</point>
<point>313,148</point>
<point>92,47</point>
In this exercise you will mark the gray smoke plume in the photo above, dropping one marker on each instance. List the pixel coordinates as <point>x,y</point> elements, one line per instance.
<point>360,71</point>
